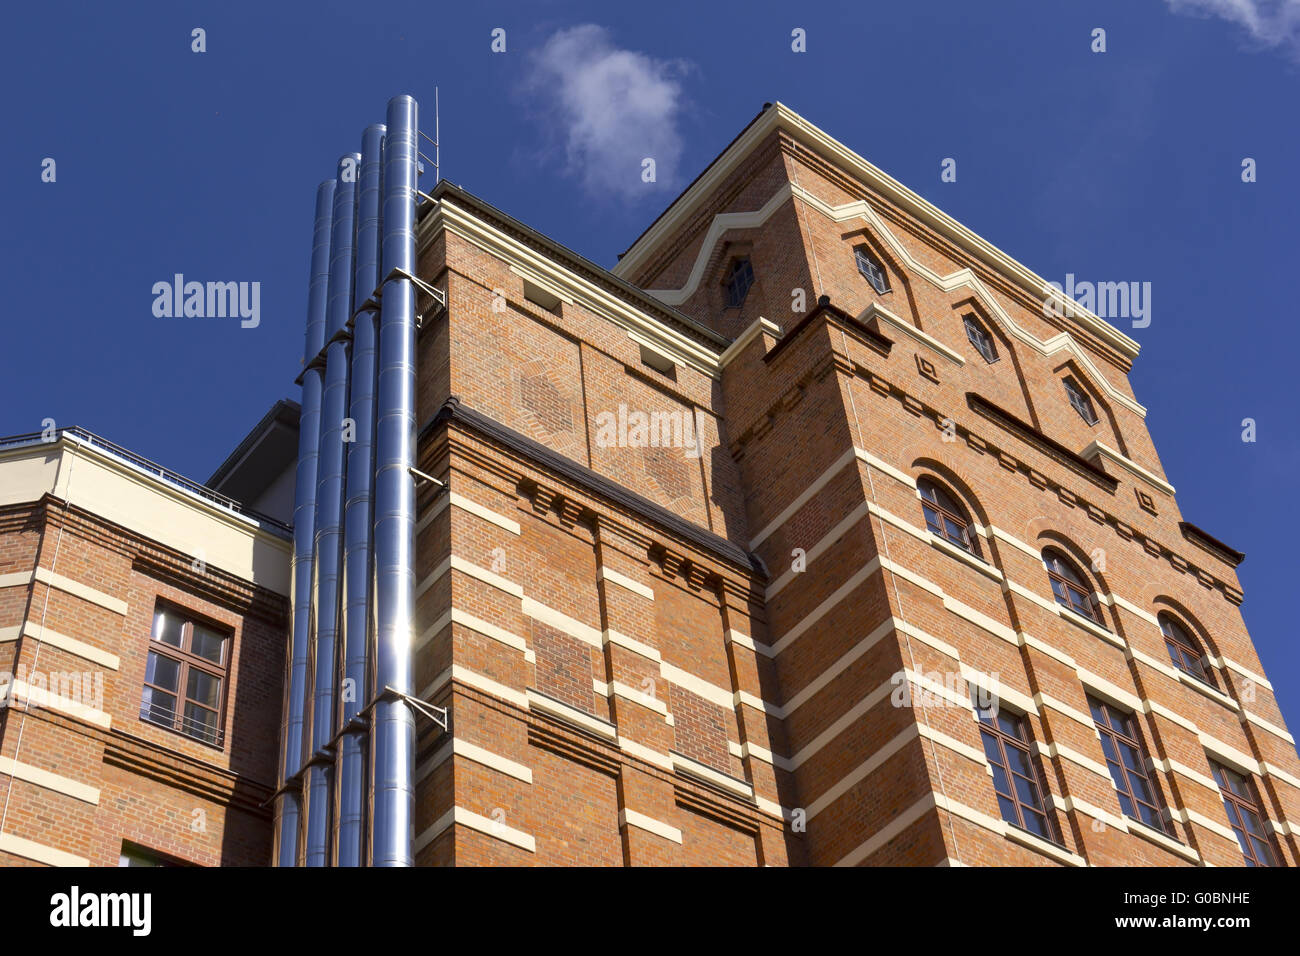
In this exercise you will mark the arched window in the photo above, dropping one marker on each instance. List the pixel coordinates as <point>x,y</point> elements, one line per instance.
<point>1185,650</point>
<point>1070,587</point>
<point>946,518</point>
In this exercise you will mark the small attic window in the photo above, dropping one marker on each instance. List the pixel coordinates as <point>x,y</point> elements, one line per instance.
<point>660,363</point>
<point>544,298</point>
<point>739,280</point>
<point>871,270</point>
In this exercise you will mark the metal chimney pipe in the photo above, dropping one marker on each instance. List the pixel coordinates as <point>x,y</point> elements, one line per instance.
<point>329,513</point>
<point>358,515</point>
<point>392,728</point>
<point>288,799</point>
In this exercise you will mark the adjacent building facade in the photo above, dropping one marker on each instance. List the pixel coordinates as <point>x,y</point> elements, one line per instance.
<point>813,533</point>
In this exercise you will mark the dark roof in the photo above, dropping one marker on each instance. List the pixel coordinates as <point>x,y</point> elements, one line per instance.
<point>454,410</point>
<point>257,461</point>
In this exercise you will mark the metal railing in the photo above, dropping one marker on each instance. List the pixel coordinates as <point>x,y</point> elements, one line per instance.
<point>129,457</point>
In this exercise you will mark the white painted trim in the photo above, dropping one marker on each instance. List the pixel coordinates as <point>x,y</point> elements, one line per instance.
<point>611,636</point>
<point>31,850</point>
<point>693,768</point>
<point>759,326</point>
<point>49,781</point>
<point>20,691</point>
<point>877,311</point>
<point>1099,449</point>
<point>826,541</point>
<point>631,818</point>
<point>888,832</point>
<point>83,591</point>
<point>623,581</point>
<point>463,748</point>
<point>571,715</point>
<point>563,623</point>
<point>1272,728</point>
<point>487,514</point>
<point>467,818</point>
<point>73,646</point>
<point>661,760</point>
<point>802,499</point>
<point>8,634</point>
<point>720,225</point>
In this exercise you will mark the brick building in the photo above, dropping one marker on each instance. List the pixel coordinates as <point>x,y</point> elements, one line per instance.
<point>142,622</point>
<point>811,534</point>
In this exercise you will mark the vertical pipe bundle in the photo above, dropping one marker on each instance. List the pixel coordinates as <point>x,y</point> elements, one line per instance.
<point>392,727</point>
<point>346,792</point>
<point>329,518</point>
<point>288,801</point>
<point>358,516</point>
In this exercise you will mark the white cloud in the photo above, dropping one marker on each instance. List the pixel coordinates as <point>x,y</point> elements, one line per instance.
<point>1269,23</point>
<point>612,108</point>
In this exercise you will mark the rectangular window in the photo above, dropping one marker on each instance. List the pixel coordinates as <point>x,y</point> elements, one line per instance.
<point>1241,801</point>
<point>185,675</point>
<point>1138,796</point>
<point>1015,779</point>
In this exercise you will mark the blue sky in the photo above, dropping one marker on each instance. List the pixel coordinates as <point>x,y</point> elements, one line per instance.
<point>1123,165</point>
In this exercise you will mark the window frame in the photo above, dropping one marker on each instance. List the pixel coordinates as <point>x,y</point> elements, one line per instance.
<point>970,540</point>
<point>742,266</point>
<point>1090,598</point>
<point>974,331</point>
<point>1080,400</point>
<point>872,269</point>
<point>1023,742</point>
<point>186,660</point>
<point>1188,647</point>
<point>1129,736</point>
<point>1250,802</point>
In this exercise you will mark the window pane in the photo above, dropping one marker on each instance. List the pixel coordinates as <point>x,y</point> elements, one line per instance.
<point>1019,761</point>
<point>1027,792</point>
<point>991,750</point>
<point>155,705</point>
<point>1036,823</point>
<point>1001,785</point>
<point>162,671</point>
<point>1126,805</point>
<point>955,531</point>
<point>1150,816</point>
<point>1010,726</point>
<point>167,628</point>
<point>1008,809</point>
<point>203,688</point>
<point>1252,823</point>
<point>1263,852</point>
<point>208,644</point>
<point>201,723</point>
<point>1129,754</point>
